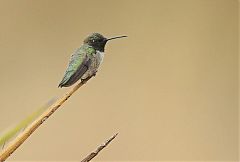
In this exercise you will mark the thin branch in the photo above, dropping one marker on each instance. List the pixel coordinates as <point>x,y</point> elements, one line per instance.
<point>32,127</point>
<point>99,148</point>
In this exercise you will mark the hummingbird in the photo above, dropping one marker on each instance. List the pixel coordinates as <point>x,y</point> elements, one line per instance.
<point>85,61</point>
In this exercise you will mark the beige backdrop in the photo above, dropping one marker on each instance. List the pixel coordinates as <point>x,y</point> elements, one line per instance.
<point>170,89</point>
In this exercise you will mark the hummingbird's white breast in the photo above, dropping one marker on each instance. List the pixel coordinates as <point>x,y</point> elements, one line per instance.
<point>100,56</point>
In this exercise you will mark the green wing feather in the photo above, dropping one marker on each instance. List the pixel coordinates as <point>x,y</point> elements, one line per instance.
<point>79,58</point>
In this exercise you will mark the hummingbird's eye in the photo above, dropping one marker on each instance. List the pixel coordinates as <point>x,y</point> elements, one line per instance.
<point>93,40</point>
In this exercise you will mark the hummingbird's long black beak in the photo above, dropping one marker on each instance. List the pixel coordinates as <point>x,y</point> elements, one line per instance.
<point>116,37</point>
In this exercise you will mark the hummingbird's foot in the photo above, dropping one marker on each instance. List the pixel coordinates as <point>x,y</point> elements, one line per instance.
<point>83,81</point>
<point>94,74</point>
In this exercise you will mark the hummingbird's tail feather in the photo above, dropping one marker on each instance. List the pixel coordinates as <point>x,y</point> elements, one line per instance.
<point>60,85</point>
<point>69,82</point>
<point>64,82</point>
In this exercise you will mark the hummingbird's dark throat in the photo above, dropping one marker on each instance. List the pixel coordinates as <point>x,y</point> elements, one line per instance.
<point>98,43</point>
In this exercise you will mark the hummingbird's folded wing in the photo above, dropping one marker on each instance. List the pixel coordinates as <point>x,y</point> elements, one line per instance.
<point>78,74</point>
<point>78,65</point>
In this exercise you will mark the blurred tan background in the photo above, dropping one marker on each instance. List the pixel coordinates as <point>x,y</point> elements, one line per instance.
<point>170,89</point>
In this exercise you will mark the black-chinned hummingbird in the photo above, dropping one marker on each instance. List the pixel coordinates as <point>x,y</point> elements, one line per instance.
<point>86,60</point>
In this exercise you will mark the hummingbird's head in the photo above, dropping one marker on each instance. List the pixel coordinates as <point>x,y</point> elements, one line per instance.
<point>98,41</point>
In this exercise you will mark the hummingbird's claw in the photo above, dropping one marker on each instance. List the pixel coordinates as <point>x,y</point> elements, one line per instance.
<point>83,81</point>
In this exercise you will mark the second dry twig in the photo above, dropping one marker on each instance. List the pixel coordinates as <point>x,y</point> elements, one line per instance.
<point>99,148</point>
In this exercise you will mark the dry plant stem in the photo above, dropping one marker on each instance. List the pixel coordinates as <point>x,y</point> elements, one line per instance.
<point>94,153</point>
<point>32,127</point>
